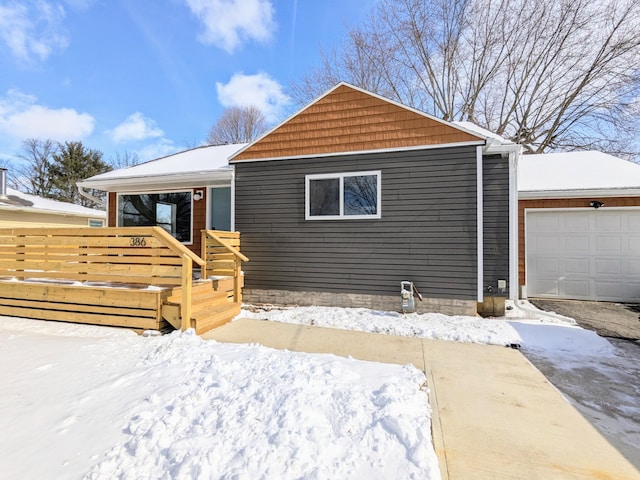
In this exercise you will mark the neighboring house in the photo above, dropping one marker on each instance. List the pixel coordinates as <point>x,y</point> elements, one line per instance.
<point>356,193</point>
<point>579,227</point>
<point>184,193</point>
<point>19,209</point>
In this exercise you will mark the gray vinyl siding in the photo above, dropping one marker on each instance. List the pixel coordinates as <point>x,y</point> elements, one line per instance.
<point>496,223</point>
<point>427,233</point>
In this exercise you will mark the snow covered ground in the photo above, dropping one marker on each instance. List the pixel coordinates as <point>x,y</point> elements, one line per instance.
<point>80,401</point>
<point>432,325</point>
<point>90,402</point>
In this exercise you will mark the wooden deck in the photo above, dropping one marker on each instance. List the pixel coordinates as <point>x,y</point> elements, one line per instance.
<point>139,278</point>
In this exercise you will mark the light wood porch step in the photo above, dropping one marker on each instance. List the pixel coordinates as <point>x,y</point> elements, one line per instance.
<point>209,307</point>
<point>197,288</point>
<point>214,317</point>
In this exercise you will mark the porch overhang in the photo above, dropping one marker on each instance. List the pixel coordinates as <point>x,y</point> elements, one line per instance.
<point>215,178</point>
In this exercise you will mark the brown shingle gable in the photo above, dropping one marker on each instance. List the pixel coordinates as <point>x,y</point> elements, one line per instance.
<point>348,119</point>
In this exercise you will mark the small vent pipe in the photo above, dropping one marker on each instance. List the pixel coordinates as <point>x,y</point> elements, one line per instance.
<point>3,183</point>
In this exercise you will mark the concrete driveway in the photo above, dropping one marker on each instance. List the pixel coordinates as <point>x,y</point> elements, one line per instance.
<point>604,390</point>
<point>608,319</point>
<point>494,415</point>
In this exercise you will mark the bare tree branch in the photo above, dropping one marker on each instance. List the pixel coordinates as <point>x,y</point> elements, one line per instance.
<point>237,125</point>
<point>31,172</point>
<point>547,74</point>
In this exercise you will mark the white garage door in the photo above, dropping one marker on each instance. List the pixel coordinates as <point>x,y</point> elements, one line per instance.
<point>584,254</point>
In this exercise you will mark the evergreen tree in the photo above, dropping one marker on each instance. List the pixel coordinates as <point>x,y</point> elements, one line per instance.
<point>70,164</point>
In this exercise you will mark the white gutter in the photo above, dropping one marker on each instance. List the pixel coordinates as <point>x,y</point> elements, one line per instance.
<point>579,193</point>
<point>88,196</point>
<point>233,198</point>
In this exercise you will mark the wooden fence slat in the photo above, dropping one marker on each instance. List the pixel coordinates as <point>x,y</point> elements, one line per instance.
<point>84,308</point>
<point>79,317</point>
<point>53,266</point>
<point>91,295</point>
<point>71,250</point>
<point>79,231</point>
<point>106,241</point>
<point>91,258</point>
<point>94,277</point>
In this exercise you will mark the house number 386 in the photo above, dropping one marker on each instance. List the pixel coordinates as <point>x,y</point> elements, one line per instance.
<point>137,242</point>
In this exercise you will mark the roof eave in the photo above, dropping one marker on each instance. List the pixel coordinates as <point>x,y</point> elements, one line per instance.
<point>365,152</point>
<point>181,180</point>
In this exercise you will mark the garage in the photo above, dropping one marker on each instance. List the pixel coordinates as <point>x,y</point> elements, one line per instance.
<point>583,253</point>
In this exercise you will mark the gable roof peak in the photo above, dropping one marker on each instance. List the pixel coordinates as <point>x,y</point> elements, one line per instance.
<point>346,120</point>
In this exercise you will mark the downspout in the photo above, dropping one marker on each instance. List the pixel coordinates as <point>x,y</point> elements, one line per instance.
<point>233,198</point>
<point>480,222</point>
<point>514,284</point>
<point>514,151</point>
<point>88,196</point>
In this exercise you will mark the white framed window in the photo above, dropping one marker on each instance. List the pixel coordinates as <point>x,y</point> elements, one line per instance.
<point>172,211</point>
<point>343,196</point>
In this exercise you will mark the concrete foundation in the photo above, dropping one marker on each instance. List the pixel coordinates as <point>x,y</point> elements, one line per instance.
<point>391,303</point>
<point>492,307</point>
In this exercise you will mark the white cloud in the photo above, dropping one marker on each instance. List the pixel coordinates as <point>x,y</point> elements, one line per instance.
<point>259,90</point>
<point>33,30</point>
<point>136,127</point>
<point>156,150</point>
<point>227,23</point>
<point>21,117</point>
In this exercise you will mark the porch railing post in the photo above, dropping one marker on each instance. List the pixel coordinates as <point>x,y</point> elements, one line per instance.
<point>203,251</point>
<point>237,291</point>
<point>187,281</point>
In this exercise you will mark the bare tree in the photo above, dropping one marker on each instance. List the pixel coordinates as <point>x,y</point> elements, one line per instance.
<point>237,125</point>
<point>30,171</point>
<point>124,160</point>
<point>547,74</point>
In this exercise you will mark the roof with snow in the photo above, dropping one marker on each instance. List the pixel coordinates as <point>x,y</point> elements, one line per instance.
<point>573,174</point>
<point>483,132</point>
<point>15,200</point>
<point>194,167</point>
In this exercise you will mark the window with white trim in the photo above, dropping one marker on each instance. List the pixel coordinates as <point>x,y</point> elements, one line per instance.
<point>342,196</point>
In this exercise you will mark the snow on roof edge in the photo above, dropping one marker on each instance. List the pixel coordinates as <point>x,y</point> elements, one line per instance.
<point>47,205</point>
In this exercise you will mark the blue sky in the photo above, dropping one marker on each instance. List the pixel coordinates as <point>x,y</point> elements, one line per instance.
<point>151,76</point>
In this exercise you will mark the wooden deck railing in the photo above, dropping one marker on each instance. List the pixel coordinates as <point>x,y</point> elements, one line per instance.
<point>221,252</point>
<point>127,256</point>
